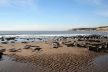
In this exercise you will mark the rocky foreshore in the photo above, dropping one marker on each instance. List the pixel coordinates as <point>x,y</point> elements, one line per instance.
<point>63,54</point>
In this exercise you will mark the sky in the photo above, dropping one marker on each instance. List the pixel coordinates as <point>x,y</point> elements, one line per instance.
<point>36,15</point>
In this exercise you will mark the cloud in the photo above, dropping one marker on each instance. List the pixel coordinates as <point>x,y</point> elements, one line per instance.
<point>101,7</point>
<point>19,3</point>
<point>32,28</point>
<point>102,13</point>
<point>96,2</point>
<point>4,2</point>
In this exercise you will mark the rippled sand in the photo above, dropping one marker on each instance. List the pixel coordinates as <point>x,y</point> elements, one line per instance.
<point>63,59</point>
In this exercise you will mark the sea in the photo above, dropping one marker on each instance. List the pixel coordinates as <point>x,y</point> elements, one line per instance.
<point>52,33</point>
<point>46,35</point>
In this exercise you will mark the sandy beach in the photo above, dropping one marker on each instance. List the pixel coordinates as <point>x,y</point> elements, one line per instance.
<point>49,59</point>
<point>64,54</point>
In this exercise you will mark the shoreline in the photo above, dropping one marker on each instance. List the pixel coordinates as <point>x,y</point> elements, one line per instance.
<point>60,55</point>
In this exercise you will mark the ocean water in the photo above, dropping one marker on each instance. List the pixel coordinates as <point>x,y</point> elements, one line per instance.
<point>45,35</point>
<point>51,33</point>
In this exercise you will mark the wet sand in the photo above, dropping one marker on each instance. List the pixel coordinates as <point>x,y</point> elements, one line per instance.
<point>7,64</point>
<point>49,59</point>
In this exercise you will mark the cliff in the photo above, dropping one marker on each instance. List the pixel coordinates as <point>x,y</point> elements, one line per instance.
<point>103,28</point>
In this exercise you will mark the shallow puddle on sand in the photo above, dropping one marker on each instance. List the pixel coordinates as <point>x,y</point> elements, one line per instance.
<point>101,63</point>
<point>7,65</point>
<point>98,64</point>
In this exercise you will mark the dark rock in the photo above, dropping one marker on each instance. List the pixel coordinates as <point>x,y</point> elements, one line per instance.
<point>23,42</point>
<point>4,42</point>
<point>107,45</point>
<point>94,48</point>
<point>2,50</point>
<point>10,38</point>
<point>1,53</point>
<point>13,50</point>
<point>70,44</point>
<point>38,49</point>
<point>2,39</point>
<point>27,47</point>
<point>93,40</point>
<point>39,38</point>
<point>56,44</point>
<point>12,42</point>
<point>28,39</point>
<point>81,45</point>
<point>34,46</point>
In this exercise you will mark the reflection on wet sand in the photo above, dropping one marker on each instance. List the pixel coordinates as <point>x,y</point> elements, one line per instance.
<point>97,63</point>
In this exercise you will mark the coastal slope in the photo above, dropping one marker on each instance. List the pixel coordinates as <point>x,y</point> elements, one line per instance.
<point>102,28</point>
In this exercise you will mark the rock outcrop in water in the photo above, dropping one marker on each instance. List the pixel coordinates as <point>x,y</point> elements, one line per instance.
<point>10,38</point>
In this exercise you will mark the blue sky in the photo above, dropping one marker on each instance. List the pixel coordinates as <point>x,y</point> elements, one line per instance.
<point>52,14</point>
